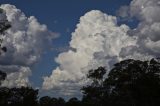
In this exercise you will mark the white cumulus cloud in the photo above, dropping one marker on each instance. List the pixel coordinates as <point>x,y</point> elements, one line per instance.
<point>26,40</point>
<point>18,78</point>
<point>99,41</point>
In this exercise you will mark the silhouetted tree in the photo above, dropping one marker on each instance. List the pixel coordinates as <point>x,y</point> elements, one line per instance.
<point>129,83</point>
<point>45,101</point>
<point>2,76</point>
<point>4,92</point>
<point>60,102</point>
<point>4,95</point>
<point>73,102</point>
<point>24,96</point>
<point>135,82</point>
<point>4,25</point>
<point>48,101</point>
<point>93,94</point>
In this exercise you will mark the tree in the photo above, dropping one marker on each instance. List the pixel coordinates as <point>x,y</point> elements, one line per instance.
<point>93,94</point>
<point>61,102</point>
<point>4,25</point>
<point>45,101</point>
<point>4,95</point>
<point>129,83</point>
<point>2,76</point>
<point>48,101</point>
<point>23,96</point>
<point>135,82</point>
<point>73,102</point>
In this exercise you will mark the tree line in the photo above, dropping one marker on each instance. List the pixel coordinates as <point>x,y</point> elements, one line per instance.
<point>129,83</point>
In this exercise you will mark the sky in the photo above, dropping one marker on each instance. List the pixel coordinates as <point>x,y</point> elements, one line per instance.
<point>60,16</point>
<point>83,35</point>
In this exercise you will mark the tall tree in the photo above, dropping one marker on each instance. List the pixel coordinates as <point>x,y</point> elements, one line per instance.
<point>135,82</point>
<point>93,94</point>
<point>129,83</point>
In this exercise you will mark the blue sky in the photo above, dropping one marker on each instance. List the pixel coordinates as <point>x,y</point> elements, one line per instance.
<point>100,38</point>
<point>61,16</point>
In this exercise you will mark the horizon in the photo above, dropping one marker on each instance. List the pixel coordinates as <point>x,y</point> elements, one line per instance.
<point>53,44</point>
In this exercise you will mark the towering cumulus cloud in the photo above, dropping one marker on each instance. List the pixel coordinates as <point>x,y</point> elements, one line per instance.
<point>26,40</point>
<point>99,41</point>
<point>148,30</point>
